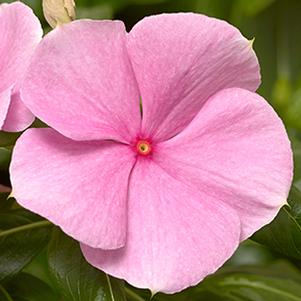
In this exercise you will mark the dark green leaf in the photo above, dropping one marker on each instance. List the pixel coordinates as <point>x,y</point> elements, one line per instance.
<point>5,155</point>
<point>39,269</point>
<point>280,268</point>
<point>246,287</point>
<point>22,236</point>
<point>25,287</point>
<point>297,160</point>
<point>5,202</point>
<point>4,295</point>
<point>293,114</point>
<point>7,139</point>
<point>77,280</point>
<point>284,233</point>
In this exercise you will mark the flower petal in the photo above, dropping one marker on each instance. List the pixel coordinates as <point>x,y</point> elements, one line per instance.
<point>18,117</point>
<point>81,82</point>
<point>176,236</point>
<point>20,32</point>
<point>180,60</point>
<point>79,186</point>
<point>237,151</point>
<point>5,97</point>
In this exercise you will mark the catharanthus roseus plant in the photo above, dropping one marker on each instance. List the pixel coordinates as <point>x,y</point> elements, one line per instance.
<point>161,196</point>
<point>20,32</point>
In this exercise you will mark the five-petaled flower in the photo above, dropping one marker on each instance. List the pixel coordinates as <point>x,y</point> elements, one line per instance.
<point>20,33</point>
<point>160,196</point>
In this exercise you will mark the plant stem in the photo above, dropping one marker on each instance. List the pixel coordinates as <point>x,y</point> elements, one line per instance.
<point>110,287</point>
<point>133,295</point>
<point>25,227</point>
<point>5,293</point>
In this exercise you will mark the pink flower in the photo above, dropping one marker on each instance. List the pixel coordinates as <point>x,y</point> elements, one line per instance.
<point>20,32</point>
<point>162,200</point>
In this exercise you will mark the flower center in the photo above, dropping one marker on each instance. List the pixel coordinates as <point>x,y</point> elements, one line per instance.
<point>143,147</point>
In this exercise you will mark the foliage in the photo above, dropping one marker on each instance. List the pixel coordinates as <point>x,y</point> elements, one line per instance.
<point>38,262</point>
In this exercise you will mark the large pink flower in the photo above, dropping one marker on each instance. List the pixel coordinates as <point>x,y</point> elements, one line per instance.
<point>162,200</point>
<point>20,32</point>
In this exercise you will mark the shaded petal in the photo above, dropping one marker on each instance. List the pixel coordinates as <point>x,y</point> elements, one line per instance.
<point>18,117</point>
<point>176,236</point>
<point>4,105</point>
<point>79,186</point>
<point>180,60</point>
<point>237,151</point>
<point>81,82</point>
<point>20,32</point>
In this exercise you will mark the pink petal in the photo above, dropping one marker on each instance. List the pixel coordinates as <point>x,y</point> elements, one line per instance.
<point>18,117</point>
<point>180,60</point>
<point>81,82</point>
<point>20,32</point>
<point>176,236</point>
<point>4,105</point>
<point>80,186</point>
<point>236,150</point>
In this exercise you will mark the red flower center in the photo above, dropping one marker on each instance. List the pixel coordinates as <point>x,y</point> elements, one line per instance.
<point>143,147</point>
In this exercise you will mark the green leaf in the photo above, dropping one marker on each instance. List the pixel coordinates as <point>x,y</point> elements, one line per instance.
<point>5,202</point>
<point>283,235</point>
<point>77,280</point>
<point>280,268</point>
<point>214,8</point>
<point>22,236</point>
<point>294,112</point>
<point>7,139</point>
<point>254,7</point>
<point>246,287</point>
<point>5,156</point>
<point>25,287</point>
<point>297,160</point>
<point>102,11</point>
<point>4,295</point>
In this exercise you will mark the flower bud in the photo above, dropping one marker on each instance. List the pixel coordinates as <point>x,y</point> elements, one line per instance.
<point>58,12</point>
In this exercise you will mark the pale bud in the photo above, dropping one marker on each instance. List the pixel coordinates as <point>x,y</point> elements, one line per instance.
<point>58,12</point>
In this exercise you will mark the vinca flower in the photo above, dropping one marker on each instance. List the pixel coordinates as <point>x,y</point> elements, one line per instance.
<point>160,158</point>
<point>20,32</point>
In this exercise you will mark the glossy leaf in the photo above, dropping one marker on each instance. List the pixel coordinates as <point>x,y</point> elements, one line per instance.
<point>22,236</point>
<point>246,287</point>
<point>280,268</point>
<point>76,279</point>
<point>25,287</point>
<point>283,235</point>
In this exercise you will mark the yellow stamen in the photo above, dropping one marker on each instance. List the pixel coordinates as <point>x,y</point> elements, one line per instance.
<point>143,147</point>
